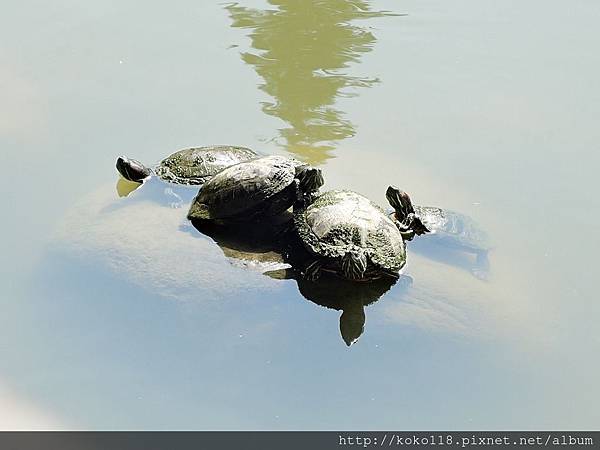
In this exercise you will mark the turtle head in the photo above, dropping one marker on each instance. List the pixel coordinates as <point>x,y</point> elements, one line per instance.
<point>132,170</point>
<point>354,264</point>
<point>310,178</point>
<point>400,201</point>
<point>407,220</point>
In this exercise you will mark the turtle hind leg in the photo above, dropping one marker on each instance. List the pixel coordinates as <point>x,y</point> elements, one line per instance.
<point>481,269</point>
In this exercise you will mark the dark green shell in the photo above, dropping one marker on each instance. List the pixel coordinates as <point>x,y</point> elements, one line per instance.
<point>194,166</point>
<point>454,229</point>
<point>244,187</point>
<point>341,221</point>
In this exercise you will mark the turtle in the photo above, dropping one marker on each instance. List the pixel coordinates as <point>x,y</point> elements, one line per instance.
<point>254,189</point>
<point>331,291</point>
<point>272,248</point>
<point>190,166</point>
<point>456,232</point>
<point>353,237</point>
<point>175,180</point>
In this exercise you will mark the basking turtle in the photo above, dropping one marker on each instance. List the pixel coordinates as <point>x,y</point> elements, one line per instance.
<point>254,189</point>
<point>177,177</point>
<point>352,237</point>
<point>458,232</point>
<point>191,166</point>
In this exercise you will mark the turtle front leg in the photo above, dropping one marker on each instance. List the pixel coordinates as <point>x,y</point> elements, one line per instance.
<point>313,271</point>
<point>412,226</point>
<point>407,233</point>
<point>417,226</point>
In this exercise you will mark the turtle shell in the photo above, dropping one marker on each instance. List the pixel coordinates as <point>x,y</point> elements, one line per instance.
<point>337,222</point>
<point>454,229</point>
<point>245,188</point>
<point>194,166</point>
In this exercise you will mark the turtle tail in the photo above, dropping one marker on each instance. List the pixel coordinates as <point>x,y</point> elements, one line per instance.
<point>132,170</point>
<point>354,264</point>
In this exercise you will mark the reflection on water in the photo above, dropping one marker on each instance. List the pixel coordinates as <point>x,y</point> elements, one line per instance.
<point>349,297</point>
<point>126,187</point>
<point>303,51</point>
<point>271,248</point>
<point>453,236</point>
<point>156,190</point>
<point>141,241</point>
<point>255,246</point>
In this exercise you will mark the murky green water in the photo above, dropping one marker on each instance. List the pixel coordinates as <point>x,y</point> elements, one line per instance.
<point>117,314</point>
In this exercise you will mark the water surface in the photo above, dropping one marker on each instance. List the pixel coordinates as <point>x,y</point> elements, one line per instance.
<point>118,315</point>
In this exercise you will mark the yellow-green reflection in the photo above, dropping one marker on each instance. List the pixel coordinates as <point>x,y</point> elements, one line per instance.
<point>303,49</point>
<point>126,187</point>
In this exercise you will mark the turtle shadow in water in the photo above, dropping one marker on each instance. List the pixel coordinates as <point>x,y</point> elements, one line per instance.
<point>271,247</point>
<point>467,261</point>
<point>349,297</point>
<point>152,190</point>
<point>258,246</point>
